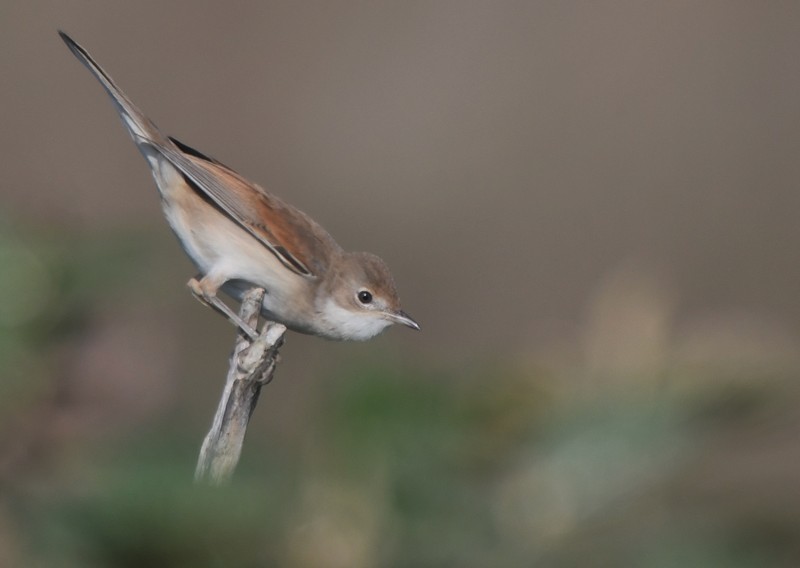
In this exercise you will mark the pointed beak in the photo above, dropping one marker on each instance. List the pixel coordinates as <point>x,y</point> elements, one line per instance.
<point>401,317</point>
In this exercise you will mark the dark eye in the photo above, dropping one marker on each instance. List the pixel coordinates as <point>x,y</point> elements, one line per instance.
<point>365,297</point>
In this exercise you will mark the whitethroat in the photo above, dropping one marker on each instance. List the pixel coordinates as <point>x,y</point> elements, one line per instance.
<point>239,236</point>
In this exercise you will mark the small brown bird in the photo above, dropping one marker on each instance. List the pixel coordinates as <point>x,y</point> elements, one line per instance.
<point>239,235</point>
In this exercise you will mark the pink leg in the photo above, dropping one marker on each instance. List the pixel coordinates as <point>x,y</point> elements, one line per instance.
<point>206,289</point>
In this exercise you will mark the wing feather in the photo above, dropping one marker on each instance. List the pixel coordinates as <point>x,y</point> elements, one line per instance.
<point>287,232</point>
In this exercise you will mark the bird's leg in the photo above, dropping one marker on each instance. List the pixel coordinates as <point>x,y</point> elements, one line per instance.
<point>205,290</point>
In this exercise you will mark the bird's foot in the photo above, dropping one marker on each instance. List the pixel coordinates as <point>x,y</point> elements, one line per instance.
<point>211,300</point>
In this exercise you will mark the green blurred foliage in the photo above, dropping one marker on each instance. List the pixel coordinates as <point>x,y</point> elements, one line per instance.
<point>493,463</point>
<point>48,286</point>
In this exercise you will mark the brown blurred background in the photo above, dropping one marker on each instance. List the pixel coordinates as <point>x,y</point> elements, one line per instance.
<point>587,205</point>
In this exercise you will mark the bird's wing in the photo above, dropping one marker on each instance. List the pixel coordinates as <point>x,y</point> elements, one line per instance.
<point>289,233</point>
<point>294,238</point>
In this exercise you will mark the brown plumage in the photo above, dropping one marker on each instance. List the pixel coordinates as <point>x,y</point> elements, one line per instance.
<point>239,235</point>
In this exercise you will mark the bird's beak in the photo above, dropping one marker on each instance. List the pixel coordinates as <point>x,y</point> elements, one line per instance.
<point>401,317</point>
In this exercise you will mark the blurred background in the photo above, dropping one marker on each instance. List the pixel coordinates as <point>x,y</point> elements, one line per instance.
<point>590,207</point>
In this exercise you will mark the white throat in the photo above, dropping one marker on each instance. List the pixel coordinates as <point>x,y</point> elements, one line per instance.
<point>341,323</point>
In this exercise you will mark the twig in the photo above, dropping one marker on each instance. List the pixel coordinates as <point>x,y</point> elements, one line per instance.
<point>251,367</point>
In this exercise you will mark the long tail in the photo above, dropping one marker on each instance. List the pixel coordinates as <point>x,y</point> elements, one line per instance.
<point>141,128</point>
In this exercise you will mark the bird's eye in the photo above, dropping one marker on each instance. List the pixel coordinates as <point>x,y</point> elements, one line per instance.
<point>365,297</point>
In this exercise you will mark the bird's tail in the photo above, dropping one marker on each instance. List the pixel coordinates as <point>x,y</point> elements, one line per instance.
<point>141,128</point>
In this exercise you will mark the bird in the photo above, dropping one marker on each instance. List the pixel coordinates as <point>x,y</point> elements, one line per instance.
<point>240,236</point>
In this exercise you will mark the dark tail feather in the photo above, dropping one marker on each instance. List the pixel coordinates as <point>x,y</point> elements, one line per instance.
<point>140,127</point>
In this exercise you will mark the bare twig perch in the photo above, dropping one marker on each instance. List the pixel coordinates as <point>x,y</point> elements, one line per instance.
<point>251,367</point>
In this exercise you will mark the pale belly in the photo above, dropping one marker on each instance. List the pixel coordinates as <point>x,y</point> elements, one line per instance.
<point>222,250</point>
